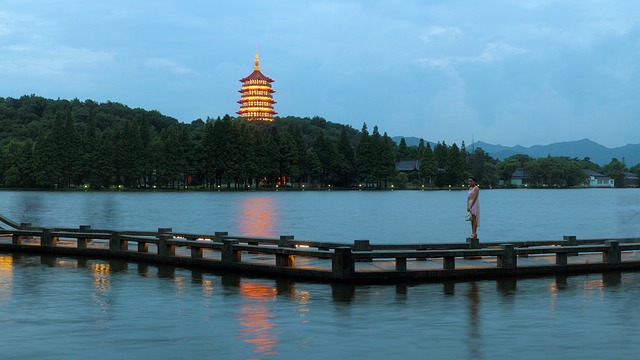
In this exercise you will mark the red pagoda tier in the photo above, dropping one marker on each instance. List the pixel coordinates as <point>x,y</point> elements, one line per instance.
<point>256,102</point>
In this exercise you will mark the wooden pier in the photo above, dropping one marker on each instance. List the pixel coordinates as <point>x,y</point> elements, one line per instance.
<point>359,262</point>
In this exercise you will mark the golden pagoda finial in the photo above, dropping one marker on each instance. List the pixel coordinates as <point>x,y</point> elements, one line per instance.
<point>257,66</point>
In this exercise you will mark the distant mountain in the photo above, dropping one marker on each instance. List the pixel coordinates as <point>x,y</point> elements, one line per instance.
<point>580,149</point>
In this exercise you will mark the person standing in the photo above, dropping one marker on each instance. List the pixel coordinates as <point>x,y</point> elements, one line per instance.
<point>473,206</point>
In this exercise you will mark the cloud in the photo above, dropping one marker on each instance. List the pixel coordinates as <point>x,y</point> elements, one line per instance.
<point>492,52</point>
<point>17,24</point>
<point>53,61</point>
<point>159,64</point>
<point>439,33</point>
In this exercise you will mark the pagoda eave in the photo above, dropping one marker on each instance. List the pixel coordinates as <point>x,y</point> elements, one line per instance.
<point>257,75</point>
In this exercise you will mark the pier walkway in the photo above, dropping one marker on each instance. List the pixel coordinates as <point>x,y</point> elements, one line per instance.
<point>359,262</point>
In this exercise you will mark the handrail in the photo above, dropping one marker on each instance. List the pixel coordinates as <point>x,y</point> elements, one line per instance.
<point>9,222</point>
<point>278,256</point>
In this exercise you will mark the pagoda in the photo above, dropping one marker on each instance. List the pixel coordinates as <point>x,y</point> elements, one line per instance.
<point>256,101</point>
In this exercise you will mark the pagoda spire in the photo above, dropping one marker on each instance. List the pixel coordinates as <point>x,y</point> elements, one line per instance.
<point>257,65</point>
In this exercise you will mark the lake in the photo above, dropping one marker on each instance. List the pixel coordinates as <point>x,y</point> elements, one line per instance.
<point>53,308</point>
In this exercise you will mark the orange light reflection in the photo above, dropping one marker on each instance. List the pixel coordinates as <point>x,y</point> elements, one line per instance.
<point>6,278</point>
<point>255,318</point>
<point>257,217</point>
<point>102,284</point>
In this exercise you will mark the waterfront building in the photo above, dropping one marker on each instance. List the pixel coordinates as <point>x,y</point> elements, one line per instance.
<point>256,101</point>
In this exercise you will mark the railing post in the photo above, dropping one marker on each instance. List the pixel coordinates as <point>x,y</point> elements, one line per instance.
<point>219,235</point>
<point>164,234</point>
<point>571,241</point>
<point>46,239</point>
<point>561,258</point>
<point>342,264</point>
<point>474,243</point>
<point>143,247</point>
<point>285,259</point>
<point>401,264</point>
<point>229,254</point>
<point>449,263</point>
<point>508,259</point>
<point>115,243</point>
<point>362,245</point>
<point>196,252</point>
<point>613,255</point>
<point>82,241</point>
<point>16,239</point>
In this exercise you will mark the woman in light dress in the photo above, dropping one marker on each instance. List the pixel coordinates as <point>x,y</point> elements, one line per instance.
<point>473,206</point>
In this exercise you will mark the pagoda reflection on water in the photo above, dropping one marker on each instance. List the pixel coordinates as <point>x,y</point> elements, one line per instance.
<point>256,102</point>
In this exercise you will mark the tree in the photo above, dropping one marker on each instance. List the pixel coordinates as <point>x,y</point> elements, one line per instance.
<point>313,165</point>
<point>209,153</point>
<point>454,167</point>
<point>129,155</point>
<point>267,157</point>
<point>484,168</point>
<point>507,167</point>
<point>103,171</point>
<point>345,164</point>
<point>289,158</point>
<point>428,165</point>
<point>615,169</point>
<point>327,153</point>
<point>247,171</point>
<point>387,159</point>
<point>403,151</point>
<point>17,164</point>
<point>173,159</point>
<point>381,158</point>
<point>365,157</point>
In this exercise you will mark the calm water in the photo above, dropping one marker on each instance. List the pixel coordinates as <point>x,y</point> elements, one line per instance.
<point>63,308</point>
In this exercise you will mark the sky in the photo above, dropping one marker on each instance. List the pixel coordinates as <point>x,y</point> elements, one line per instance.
<point>520,72</point>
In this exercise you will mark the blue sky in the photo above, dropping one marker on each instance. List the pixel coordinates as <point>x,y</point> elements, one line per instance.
<point>520,72</point>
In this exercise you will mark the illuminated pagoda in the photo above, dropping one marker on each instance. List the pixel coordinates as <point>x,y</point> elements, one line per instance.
<point>256,102</point>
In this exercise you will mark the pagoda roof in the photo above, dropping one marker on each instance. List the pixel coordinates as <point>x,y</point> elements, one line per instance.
<point>257,75</point>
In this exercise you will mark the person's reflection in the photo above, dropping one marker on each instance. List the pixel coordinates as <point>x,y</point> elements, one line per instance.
<point>473,294</point>
<point>257,216</point>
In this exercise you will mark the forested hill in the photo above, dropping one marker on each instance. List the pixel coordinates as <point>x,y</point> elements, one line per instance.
<point>48,144</point>
<point>31,115</point>
<point>580,149</point>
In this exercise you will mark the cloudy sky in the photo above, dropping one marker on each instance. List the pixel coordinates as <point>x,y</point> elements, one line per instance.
<point>520,72</point>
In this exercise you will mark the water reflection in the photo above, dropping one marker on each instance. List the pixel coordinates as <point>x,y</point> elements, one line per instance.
<point>343,293</point>
<point>612,278</point>
<point>507,286</point>
<point>259,318</point>
<point>6,277</point>
<point>258,216</point>
<point>101,273</point>
<point>256,319</point>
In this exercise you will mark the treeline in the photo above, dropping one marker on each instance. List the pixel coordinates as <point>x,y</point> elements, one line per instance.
<point>49,144</point>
